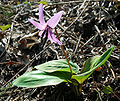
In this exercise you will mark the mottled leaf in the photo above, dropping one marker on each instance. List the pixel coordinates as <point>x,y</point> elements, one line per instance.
<point>91,65</point>
<point>54,65</point>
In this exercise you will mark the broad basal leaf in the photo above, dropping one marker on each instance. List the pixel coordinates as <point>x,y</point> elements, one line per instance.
<point>92,64</point>
<point>41,78</point>
<point>54,65</point>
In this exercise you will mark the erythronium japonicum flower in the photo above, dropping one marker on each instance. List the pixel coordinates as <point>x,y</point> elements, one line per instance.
<point>51,23</point>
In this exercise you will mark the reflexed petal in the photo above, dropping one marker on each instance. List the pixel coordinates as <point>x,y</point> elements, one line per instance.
<point>52,37</point>
<point>55,19</point>
<point>40,33</point>
<point>36,24</point>
<point>41,17</point>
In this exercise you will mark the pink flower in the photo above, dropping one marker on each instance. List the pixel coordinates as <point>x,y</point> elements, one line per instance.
<point>51,23</point>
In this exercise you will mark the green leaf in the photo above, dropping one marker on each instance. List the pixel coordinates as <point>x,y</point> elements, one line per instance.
<point>5,27</point>
<point>40,78</point>
<point>107,90</point>
<point>91,65</point>
<point>43,2</point>
<point>54,65</point>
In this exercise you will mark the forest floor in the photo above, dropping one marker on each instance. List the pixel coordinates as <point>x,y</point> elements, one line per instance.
<point>86,29</point>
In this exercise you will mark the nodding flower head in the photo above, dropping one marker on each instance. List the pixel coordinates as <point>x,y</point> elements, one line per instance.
<point>51,23</point>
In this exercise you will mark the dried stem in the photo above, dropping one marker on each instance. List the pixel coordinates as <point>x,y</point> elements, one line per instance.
<point>116,96</point>
<point>63,50</point>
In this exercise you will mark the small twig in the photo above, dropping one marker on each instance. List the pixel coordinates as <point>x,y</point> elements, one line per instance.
<point>96,89</point>
<point>62,3</point>
<point>2,53</point>
<point>63,51</point>
<point>76,47</point>
<point>77,44</point>
<point>8,99</point>
<point>110,66</point>
<point>96,27</point>
<point>116,96</point>
<point>87,41</point>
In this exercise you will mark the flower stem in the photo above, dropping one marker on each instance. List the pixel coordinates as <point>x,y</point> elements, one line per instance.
<point>64,51</point>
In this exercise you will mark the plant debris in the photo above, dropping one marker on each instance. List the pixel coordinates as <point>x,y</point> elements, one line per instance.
<point>87,28</point>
